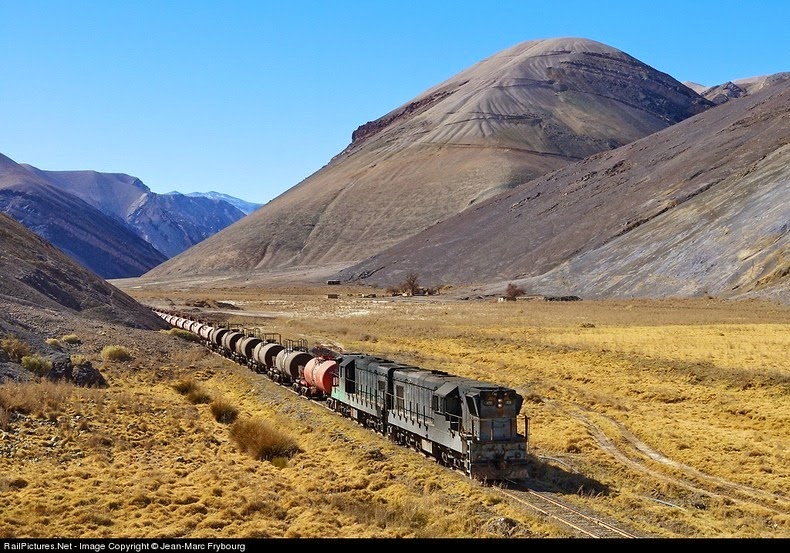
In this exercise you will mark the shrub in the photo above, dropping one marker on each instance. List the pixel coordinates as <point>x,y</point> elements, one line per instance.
<point>184,387</point>
<point>54,342</point>
<point>71,339</point>
<point>15,348</point>
<point>199,395</point>
<point>183,334</point>
<point>192,390</point>
<point>5,419</point>
<point>262,441</point>
<point>36,365</point>
<point>223,411</point>
<point>115,353</point>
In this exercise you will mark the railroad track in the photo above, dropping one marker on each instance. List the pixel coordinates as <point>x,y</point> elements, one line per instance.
<point>580,524</point>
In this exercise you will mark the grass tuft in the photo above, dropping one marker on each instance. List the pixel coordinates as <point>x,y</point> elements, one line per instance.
<point>15,348</point>
<point>37,365</point>
<point>262,441</point>
<point>223,411</point>
<point>115,353</point>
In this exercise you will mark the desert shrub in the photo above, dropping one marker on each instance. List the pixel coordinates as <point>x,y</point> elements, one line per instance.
<point>115,353</point>
<point>184,387</point>
<point>71,339</point>
<point>15,348</point>
<point>262,441</point>
<point>54,342</point>
<point>199,395</point>
<point>223,411</point>
<point>78,359</point>
<point>5,419</point>
<point>43,398</point>
<point>36,365</point>
<point>193,391</point>
<point>183,334</point>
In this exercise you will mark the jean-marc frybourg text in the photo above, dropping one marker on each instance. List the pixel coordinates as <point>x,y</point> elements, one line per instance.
<point>124,546</point>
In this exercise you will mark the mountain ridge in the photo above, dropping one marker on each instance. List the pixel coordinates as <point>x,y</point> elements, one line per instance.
<point>481,132</point>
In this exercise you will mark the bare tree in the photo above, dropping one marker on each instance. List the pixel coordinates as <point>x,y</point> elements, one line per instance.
<point>513,291</point>
<point>410,285</point>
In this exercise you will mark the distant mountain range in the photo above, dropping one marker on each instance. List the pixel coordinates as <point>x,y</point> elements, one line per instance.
<point>110,222</point>
<point>246,207</point>
<point>562,165</point>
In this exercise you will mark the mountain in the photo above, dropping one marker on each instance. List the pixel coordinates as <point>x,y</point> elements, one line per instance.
<point>97,241</point>
<point>517,115</point>
<point>246,207</point>
<point>171,223</point>
<point>37,278</point>
<point>702,207</point>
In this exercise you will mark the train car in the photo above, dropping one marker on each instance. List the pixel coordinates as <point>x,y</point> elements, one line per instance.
<point>264,357</point>
<point>317,378</point>
<point>465,424</point>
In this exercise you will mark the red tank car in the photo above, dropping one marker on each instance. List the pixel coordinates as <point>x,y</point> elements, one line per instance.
<point>318,376</point>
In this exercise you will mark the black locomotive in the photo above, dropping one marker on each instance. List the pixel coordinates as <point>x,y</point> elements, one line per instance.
<point>466,424</point>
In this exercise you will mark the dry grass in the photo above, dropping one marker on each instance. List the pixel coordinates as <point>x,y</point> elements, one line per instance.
<point>670,416</point>
<point>115,353</point>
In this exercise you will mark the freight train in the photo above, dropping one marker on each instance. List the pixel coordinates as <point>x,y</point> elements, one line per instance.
<point>468,425</point>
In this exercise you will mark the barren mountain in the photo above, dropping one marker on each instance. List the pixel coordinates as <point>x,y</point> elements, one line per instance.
<point>519,114</point>
<point>99,242</point>
<point>44,291</point>
<point>702,207</point>
<point>171,223</point>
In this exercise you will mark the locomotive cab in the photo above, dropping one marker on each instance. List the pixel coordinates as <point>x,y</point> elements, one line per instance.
<point>492,413</point>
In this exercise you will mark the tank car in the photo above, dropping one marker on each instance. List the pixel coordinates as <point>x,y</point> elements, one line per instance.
<point>264,357</point>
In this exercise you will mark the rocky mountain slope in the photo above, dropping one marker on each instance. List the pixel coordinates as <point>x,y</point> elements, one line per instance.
<point>702,207</point>
<point>46,294</point>
<point>99,242</point>
<point>519,114</point>
<point>171,223</point>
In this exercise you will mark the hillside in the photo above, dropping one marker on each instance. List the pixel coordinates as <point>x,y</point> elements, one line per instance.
<point>45,294</point>
<point>99,242</point>
<point>512,117</point>
<point>699,208</point>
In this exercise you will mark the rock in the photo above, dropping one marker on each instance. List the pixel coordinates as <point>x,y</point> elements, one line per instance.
<point>85,374</point>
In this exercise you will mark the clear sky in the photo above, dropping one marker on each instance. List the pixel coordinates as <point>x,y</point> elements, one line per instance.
<point>248,98</point>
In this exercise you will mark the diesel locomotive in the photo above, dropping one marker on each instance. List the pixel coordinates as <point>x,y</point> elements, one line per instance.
<point>466,424</point>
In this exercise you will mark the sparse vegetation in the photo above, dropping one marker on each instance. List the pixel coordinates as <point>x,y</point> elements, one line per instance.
<point>72,339</point>
<point>37,365</point>
<point>115,353</point>
<point>224,411</point>
<point>193,391</point>
<point>513,291</point>
<point>602,381</point>
<point>15,348</point>
<point>262,440</point>
<point>183,334</point>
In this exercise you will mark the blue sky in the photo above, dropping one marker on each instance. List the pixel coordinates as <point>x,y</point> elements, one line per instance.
<point>249,98</point>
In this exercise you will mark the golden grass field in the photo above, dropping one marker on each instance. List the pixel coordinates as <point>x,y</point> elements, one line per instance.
<point>670,416</point>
